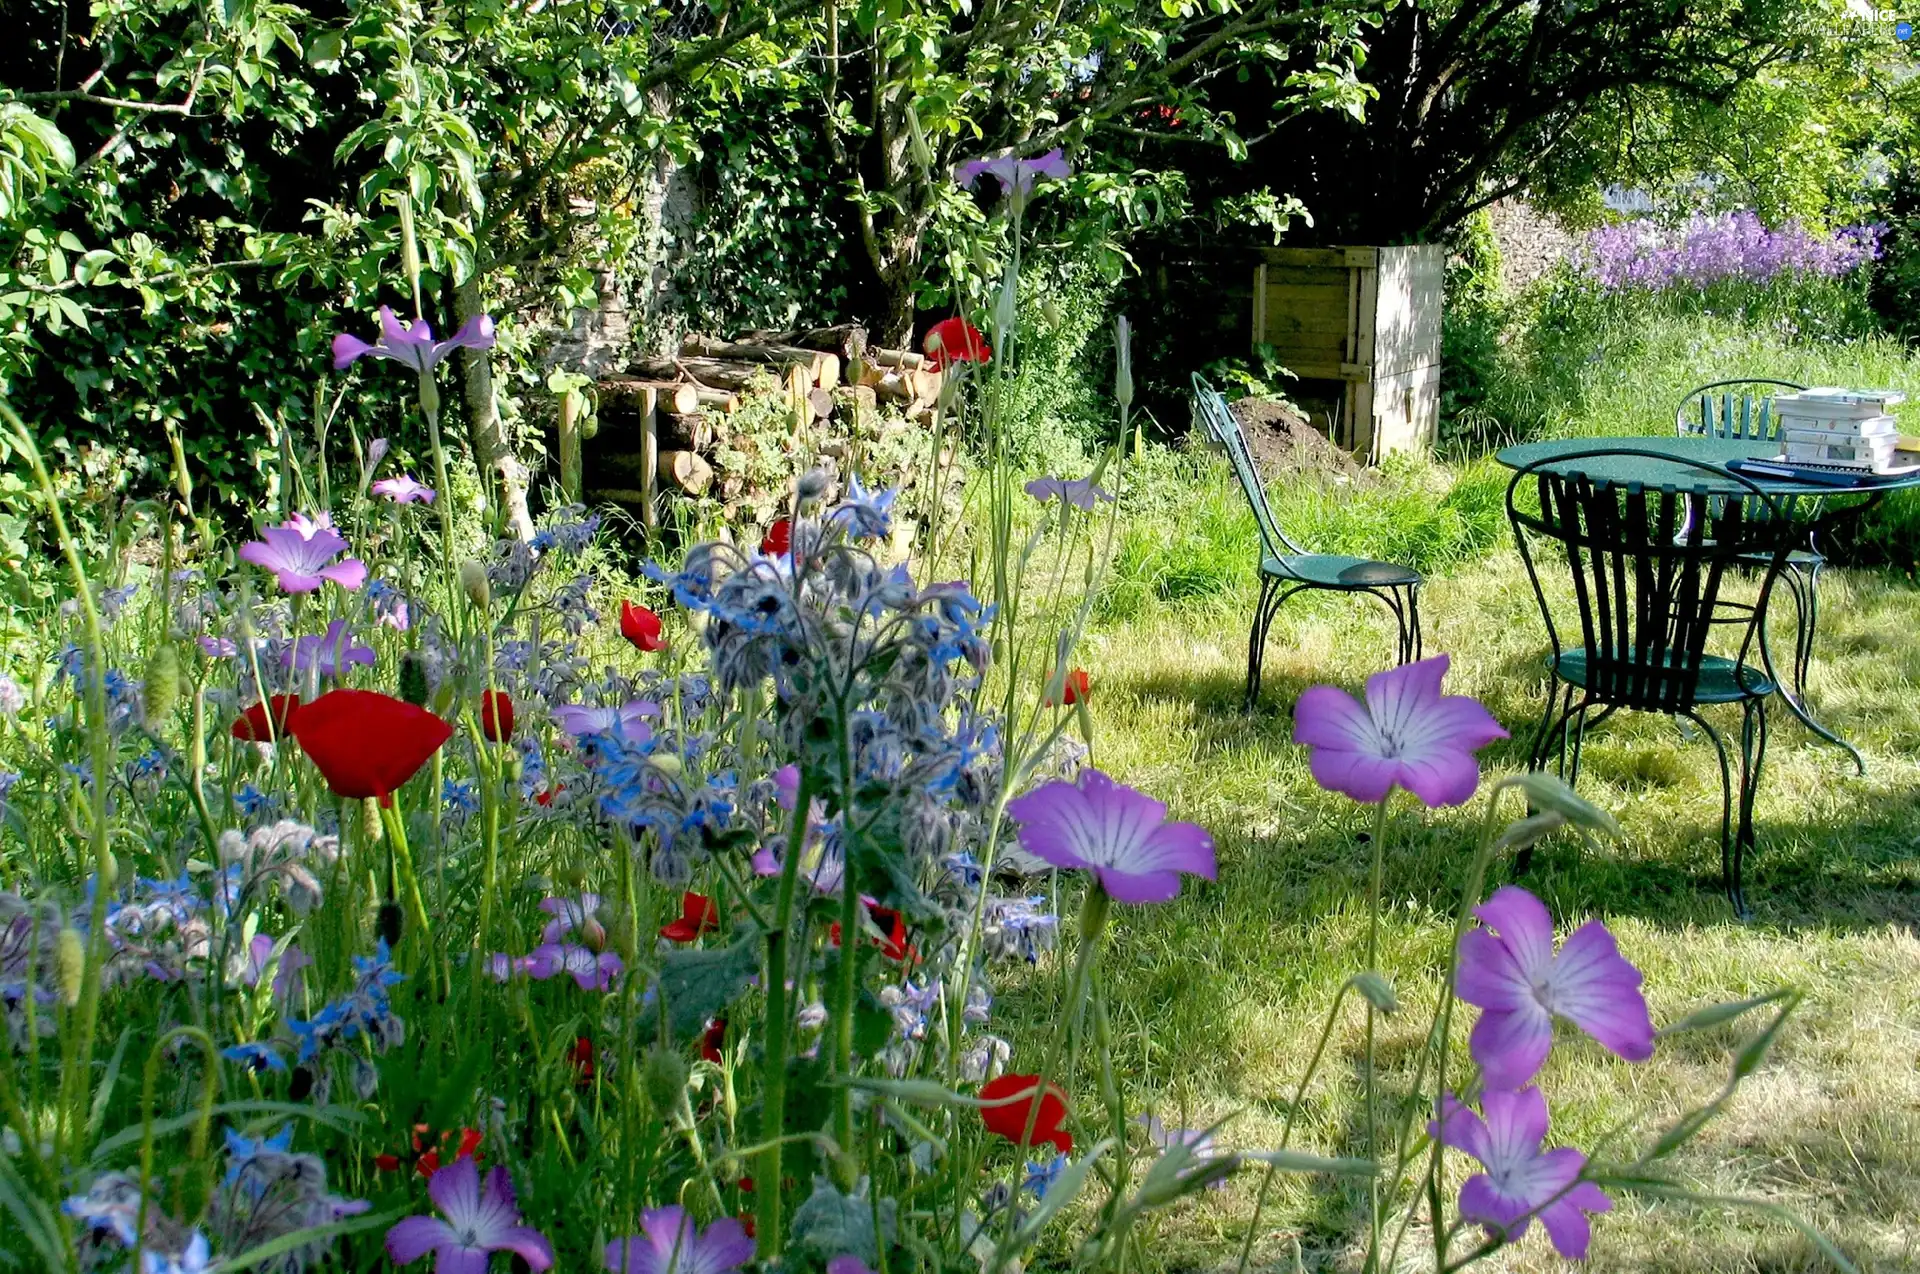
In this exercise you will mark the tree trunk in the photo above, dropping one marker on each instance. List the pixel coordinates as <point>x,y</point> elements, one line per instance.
<point>492,450</point>
<point>667,208</point>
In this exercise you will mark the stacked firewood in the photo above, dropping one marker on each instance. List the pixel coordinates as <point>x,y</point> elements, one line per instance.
<point>662,420</point>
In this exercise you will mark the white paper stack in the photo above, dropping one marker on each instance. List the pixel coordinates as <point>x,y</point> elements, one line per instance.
<point>1848,428</point>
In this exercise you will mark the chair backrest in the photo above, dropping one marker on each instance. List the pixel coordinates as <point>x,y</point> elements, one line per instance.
<point>1646,566</point>
<point>1732,409</point>
<point>1223,427</point>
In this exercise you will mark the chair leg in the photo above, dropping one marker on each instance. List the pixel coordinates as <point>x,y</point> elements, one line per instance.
<point>1553,722</point>
<point>1412,644</point>
<point>1803,587</point>
<point>1753,755</point>
<point>1257,638</point>
<point>1727,867</point>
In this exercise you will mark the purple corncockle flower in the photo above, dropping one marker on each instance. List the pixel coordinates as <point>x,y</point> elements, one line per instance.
<point>478,1223</point>
<point>592,972</point>
<point>260,955</point>
<point>219,647</point>
<point>847,1263</point>
<point>1510,971</point>
<point>574,915</point>
<point>411,343</point>
<point>629,719</point>
<point>300,554</point>
<point>1015,175</point>
<point>332,653</point>
<point>1081,493</point>
<point>671,1243</point>
<point>1521,1180</point>
<point>1121,835</point>
<point>1198,1141</point>
<point>404,490</point>
<point>1407,734</point>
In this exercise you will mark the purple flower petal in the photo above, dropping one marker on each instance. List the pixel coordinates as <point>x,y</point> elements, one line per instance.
<point>1119,832</point>
<point>455,1190</point>
<point>347,349</point>
<point>1407,734</point>
<point>414,1237</point>
<point>1511,1046</point>
<point>1594,987</point>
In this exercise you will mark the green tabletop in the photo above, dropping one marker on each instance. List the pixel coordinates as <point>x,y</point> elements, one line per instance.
<point>1652,471</point>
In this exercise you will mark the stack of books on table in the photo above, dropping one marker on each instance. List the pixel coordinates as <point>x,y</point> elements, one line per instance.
<point>1840,429</point>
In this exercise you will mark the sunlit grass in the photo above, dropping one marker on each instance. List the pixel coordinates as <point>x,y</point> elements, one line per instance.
<point>1222,992</point>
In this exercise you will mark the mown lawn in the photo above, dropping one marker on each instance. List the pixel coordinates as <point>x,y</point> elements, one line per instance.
<point>1220,996</point>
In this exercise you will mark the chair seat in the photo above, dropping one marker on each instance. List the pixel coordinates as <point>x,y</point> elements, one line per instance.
<point>1798,559</point>
<point>1721,680</point>
<point>1330,570</point>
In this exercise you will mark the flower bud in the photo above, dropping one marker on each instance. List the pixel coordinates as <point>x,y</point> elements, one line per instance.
<point>413,678</point>
<point>70,965</point>
<point>812,485</point>
<point>388,921</point>
<point>473,581</point>
<point>370,821</point>
<point>1122,363</point>
<point>667,763</point>
<point>664,1076</point>
<point>161,682</point>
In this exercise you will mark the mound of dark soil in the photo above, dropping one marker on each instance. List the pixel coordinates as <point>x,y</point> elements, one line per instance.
<point>1284,444</point>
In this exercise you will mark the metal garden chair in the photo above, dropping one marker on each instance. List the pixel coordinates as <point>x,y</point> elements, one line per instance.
<point>1744,409</point>
<point>1287,569</point>
<point>1646,549</point>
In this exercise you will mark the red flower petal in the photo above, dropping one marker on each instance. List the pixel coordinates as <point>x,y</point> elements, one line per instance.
<point>955,340</point>
<point>545,795</point>
<point>1010,1120</point>
<point>496,716</point>
<point>387,1163</point>
<point>367,744</point>
<point>641,627</point>
<point>251,726</point>
<point>1076,687</point>
<point>714,1040</point>
<point>698,915</point>
<point>779,538</point>
<point>581,1055</point>
<point>894,945</point>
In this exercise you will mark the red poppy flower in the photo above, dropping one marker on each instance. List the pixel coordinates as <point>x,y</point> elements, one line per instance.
<point>581,1055</point>
<point>426,1160</point>
<point>779,538</point>
<point>955,340</point>
<point>713,1041</point>
<point>546,794</point>
<point>1074,689</point>
<point>641,627</point>
<point>698,915</point>
<point>251,726</point>
<point>1010,1120</point>
<point>366,743</point>
<point>429,1162</point>
<point>496,716</point>
<point>891,923</point>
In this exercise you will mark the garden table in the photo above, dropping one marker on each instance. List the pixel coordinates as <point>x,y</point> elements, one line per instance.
<point>1646,466</point>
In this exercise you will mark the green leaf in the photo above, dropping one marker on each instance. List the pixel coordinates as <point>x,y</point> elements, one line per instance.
<point>326,49</point>
<point>1301,1161</point>
<point>1748,1059</point>
<point>831,1224</point>
<point>697,985</point>
<point>1720,1014</point>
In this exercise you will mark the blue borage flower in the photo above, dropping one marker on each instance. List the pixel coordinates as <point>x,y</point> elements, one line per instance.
<point>243,1150</point>
<point>256,1057</point>
<point>365,1010</point>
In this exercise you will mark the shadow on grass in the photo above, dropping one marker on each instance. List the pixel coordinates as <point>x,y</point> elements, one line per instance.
<point>1857,871</point>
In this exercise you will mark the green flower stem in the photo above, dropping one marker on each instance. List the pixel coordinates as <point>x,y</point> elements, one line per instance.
<point>779,1025</point>
<point>846,993</point>
<point>76,1070</point>
<point>1373,955</point>
<point>197,1144</point>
